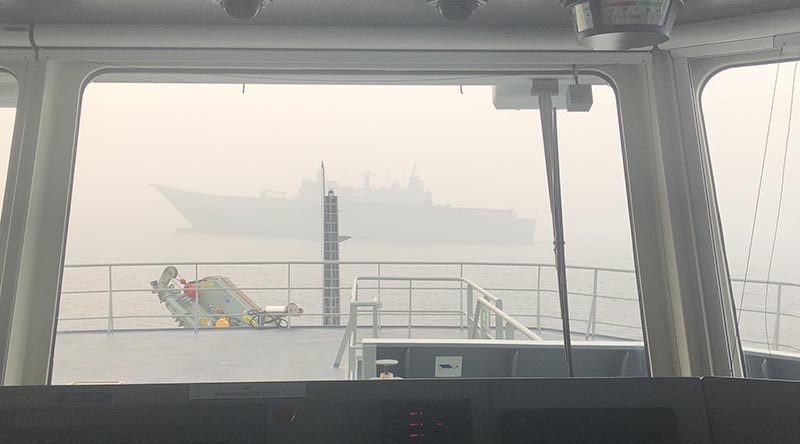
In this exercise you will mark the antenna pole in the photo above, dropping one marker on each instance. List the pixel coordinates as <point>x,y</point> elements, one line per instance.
<point>546,89</point>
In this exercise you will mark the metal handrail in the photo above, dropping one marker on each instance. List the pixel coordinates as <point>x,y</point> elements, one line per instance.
<point>508,319</point>
<point>591,322</point>
<point>350,342</point>
<point>485,300</point>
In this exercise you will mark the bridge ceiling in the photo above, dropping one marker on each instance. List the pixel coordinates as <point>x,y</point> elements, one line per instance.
<point>337,12</point>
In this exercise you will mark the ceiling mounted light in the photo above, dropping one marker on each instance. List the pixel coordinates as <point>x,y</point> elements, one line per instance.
<point>457,10</point>
<point>243,9</point>
<point>622,24</point>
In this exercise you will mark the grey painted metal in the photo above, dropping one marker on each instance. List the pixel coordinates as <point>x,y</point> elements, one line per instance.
<point>489,358</point>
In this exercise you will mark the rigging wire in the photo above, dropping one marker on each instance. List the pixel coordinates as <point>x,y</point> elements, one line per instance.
<point>760,185</point>
<point>780,206</point>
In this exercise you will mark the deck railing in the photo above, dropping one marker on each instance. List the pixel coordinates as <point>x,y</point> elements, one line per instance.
<point>604,301</point>
<point>479,319</point>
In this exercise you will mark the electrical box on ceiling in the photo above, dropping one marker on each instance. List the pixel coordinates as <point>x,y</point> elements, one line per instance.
<point>577,98</point>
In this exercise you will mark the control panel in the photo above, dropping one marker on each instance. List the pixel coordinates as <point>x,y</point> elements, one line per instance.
<point>446,422</point>
<point>462,411</point>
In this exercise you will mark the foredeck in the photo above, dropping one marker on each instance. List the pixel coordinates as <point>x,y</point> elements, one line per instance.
<point>180,355</point>
<point>301,353</point>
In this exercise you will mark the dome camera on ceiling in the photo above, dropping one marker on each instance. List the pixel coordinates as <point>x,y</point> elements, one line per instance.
<point>243,9</point>
<point>457,10</point>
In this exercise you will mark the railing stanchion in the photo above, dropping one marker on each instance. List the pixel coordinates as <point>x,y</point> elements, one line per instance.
<point>379,295</point>
<point>461,296</point>
<point>591,323</point>
<point>196,298</point>
<point>470,296</point>
<point>499,328</point>
<point>539,299</point>
<point>354,312</point>
<point>110,303</point>
<point>375,321</point>
<point>472,329</point>
<point>777,338</point>
<point>288,294</point>
<point>509,330</point>
<point>346,344</point>
<point>351,353</point>
<point>410,291</point>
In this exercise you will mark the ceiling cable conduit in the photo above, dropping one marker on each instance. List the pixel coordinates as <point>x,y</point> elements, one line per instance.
<point>298,37</point>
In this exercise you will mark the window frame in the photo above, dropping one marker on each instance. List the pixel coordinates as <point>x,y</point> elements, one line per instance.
<point>73,76</point>
<point>704,70</point>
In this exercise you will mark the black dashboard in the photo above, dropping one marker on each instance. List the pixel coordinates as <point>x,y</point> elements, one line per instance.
<point>464,411</point>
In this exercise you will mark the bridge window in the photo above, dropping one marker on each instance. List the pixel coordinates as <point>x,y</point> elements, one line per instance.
<point>196,234</point>
<point>751,116</point>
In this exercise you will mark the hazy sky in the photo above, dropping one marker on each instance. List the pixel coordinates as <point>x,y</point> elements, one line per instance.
<point>214,138</point>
